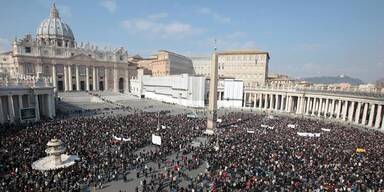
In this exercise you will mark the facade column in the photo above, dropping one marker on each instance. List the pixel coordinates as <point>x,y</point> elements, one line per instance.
<point>357,114</point>
<point>127,83</point>
<point>345,110</point>
<point>260,100</point>
<point>97,79</point>
<point>320,107</point>
<point>66,78</point>
<point>11,109</point>
<point>70,78</point>
<point>94,82</point>
<point>87,78</point>
<point>116,79</point>
<point>77,78</point>
<point>106,71</point>
<point>351,110</point>
<point>254,100</point>
<point>54,77</point>
<point>37,110</point>
<point>371,114</point>
<point>378,116</point>
<point>365,113</point>
<point>271,102</point>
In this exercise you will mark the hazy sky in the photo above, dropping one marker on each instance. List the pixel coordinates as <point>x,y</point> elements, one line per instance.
<point>304,38</point>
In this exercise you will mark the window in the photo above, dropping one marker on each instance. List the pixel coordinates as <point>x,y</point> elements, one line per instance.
<point>27,49</point>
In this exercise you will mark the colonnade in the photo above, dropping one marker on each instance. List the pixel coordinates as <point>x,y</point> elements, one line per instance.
<point>13,102</point>
<point>90,78</point>
<point>357,110</point>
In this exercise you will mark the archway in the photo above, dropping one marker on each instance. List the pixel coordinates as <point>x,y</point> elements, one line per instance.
<point>121,84</point>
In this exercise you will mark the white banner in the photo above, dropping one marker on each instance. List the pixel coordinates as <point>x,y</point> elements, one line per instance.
<point>250,131</point>
<point>324,129</point>
<point>121,138</point>
<point>304,134</point>
<point>156,139</point>
<point>264,126</point>
<point>291,126</point>
<point>219,121</point>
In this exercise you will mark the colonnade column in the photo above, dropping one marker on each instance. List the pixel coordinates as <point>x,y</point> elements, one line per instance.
<point>382,122</point>
<point>77,78</point>
<point>265,101</point>
<point>1,112</point>
<point>302,105</point>
<point>94,78</point>
<point>357,114</point>
<point>271,101</point>
<point>54,77</point>
<point>365,113</point>
<point>313,106</point>
<point>277,102</point>
<point>326,107</point>
<point>371,114</point>
<point>307,109</point>
<point>70,86</point>
<point>37,110</point>
<point>351,110</point>
<point>332,108</point>
<point>87,78</point>
<point>106,71</point>
<point>66,78</point>
<point>338,108</point>
<point>260,100</point>
<point>20,100</point>
<point>345,110</point>
<point>254,100</point>
<point>287,103</point>
<point>11,109</point>
<point>320,107</point>
<point>378,116</point>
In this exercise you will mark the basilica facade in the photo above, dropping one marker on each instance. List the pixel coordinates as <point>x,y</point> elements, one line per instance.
<point>71,66</point>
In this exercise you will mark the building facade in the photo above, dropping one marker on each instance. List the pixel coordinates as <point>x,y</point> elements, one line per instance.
<point>250,66</point>
<point>181,89</point>
<point>165,63</point>
<point>54,53</point>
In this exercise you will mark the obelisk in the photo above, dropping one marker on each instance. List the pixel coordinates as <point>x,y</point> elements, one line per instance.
<point>212,100</point>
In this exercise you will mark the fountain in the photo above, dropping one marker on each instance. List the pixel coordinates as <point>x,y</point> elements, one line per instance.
<point>56,158</point>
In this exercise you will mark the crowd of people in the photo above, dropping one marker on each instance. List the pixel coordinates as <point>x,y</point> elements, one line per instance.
<point>250,152</point>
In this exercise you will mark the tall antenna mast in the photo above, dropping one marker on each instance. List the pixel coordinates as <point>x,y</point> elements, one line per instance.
<point>215,47</point>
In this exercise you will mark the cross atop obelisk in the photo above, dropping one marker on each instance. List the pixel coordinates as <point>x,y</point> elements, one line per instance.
<point>212,101</point>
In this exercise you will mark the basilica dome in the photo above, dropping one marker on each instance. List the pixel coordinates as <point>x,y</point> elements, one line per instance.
<point>54,29</point>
